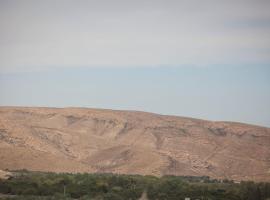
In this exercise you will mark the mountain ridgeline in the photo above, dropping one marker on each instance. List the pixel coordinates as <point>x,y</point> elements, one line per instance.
<point>130,142</point>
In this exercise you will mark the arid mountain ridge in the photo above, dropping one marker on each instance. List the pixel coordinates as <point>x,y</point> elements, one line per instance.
<point>131,142</point>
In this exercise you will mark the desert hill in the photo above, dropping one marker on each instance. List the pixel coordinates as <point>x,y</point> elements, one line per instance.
<point>130,142</point>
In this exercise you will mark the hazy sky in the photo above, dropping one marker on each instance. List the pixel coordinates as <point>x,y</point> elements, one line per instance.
<point>205,59</point>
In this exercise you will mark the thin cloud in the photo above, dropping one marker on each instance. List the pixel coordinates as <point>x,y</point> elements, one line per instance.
<point>45,35</point>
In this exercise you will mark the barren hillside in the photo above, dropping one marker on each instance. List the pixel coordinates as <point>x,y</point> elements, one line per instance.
<point>94,140</point>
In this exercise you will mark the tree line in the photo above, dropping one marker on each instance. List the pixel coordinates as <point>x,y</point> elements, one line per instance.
<point>41,185</point>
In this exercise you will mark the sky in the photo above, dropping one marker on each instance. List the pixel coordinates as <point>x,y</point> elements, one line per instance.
<point>204,59</point>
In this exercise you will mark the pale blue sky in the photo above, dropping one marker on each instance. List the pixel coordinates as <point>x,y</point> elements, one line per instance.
<point>204,59</point>
<point>217,93</point>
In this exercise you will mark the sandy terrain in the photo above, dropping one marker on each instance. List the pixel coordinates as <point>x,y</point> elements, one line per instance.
<point>95,140</point>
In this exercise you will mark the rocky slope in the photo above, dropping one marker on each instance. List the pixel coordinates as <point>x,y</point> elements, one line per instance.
<point>95,140</point>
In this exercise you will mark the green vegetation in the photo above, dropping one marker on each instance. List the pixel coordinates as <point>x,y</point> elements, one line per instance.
<point>43,186</point>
